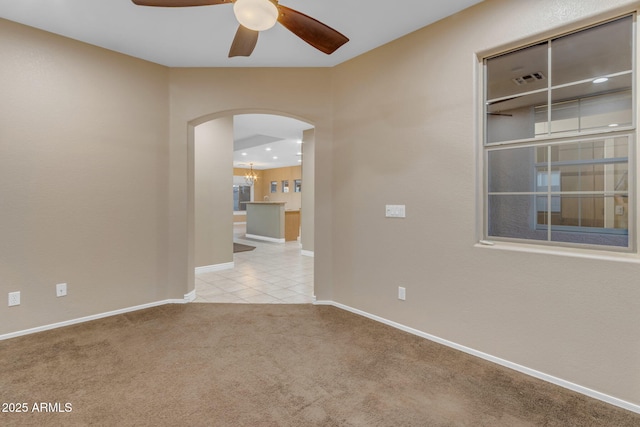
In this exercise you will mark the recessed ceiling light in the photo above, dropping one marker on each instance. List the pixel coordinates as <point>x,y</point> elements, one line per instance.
<point>244,154</point>
<point>601,80</point>
<point>299,160</point>
<point>298,154</point>
<point>299,141</point>
<point>268,148</point>
<point>612,125</point>
<point>275,157</point>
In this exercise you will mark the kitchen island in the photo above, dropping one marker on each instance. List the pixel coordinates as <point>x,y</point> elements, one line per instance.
<point>265,221</point>
<point>270,221</point>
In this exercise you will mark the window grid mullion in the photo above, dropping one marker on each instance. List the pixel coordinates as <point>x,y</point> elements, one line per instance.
<point>549,190</point>
<point>549,84</point>
<point>547,142</point>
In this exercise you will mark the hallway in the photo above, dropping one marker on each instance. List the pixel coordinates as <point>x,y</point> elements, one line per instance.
<point>272,273</point>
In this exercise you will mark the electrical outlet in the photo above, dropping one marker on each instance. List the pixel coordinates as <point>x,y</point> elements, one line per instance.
<point>402,293</point>
<point>61,289</point>
<point>14,298</point>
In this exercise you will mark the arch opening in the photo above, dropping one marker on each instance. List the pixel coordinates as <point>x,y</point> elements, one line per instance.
<point>215,132</point>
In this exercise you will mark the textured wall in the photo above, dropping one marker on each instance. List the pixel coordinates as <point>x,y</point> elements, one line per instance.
<point>307,218</point>
<point>414,140</point>
<point>83,178</point>
<point>213,147</point>
<point>199,95</point>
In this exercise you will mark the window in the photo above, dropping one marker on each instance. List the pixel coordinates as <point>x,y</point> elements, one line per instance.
<point>285,186</point>
<point>274,186</point>
<point>297,185</point>
<point>559,134</point>
<point>241,195</point>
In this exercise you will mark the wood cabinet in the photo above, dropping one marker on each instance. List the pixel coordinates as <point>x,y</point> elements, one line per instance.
<point>291,225</point>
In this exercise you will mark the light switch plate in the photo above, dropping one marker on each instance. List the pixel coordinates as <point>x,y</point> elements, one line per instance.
<point>395,211</point>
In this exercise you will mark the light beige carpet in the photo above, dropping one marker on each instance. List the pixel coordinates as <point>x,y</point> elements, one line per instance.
<point>270,365</point>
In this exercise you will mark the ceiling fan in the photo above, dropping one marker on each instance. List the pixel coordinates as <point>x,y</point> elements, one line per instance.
<point>259,15</point>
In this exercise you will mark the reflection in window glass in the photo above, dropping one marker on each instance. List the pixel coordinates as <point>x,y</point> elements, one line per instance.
<point>576,187</point>
<point>515,118</point>
<point>588,83</point>
<point>591,113</point>
<point>594,52</point>
<point>506,80</point>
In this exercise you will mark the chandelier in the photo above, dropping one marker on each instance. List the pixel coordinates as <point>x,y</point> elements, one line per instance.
<point>251,177</point>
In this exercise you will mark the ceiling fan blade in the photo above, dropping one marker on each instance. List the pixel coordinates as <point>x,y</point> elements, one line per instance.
<point>179,3</point>
<point>244,42</point>
<point>314,32</point>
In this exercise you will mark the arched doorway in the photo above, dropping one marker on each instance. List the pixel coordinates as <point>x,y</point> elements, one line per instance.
<point>262,266</point>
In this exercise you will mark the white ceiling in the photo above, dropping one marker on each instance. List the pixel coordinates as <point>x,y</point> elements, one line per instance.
<point>201,37</point>
<point>263,137</point>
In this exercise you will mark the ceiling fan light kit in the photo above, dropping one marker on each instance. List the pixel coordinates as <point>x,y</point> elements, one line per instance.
<point>259,15</point>
<point>256,15</point>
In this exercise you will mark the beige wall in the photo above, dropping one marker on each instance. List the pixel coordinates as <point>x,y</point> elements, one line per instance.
<point>198,95</point>
<point>414,141</point>
<point>213,145</point>
<point>308,191</point>
<point>83,179</point>
<point>98,191</point>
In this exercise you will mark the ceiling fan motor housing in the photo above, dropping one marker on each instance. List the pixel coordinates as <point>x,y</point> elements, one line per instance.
<point>256,15</point>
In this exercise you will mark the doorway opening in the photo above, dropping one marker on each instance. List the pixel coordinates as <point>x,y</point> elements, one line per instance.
<point>278,150</point>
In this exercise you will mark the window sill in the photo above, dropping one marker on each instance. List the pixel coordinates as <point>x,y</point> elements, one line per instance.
<point>630,257</point>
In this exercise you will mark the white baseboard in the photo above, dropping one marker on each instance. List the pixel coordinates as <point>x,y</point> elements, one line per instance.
<point>215,267</point>
<point>265,238</point>
<point>98,316</point>
<point>516,367</point>
<point>306,253</point>
<point>190,297</point>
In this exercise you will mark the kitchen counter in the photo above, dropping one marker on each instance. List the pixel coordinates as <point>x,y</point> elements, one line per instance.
<point>265,221</point>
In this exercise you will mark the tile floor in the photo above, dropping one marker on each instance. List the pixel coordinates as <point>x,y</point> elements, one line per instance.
<point>272,273</point>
